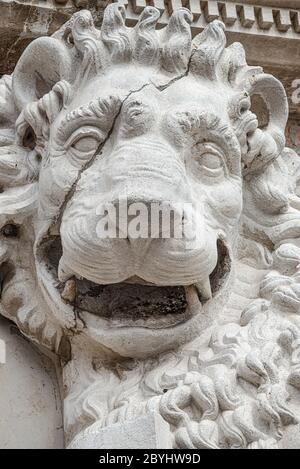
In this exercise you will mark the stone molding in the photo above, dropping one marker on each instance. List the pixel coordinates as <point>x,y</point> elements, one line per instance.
<point>252,19</point>
<point>237,16</point>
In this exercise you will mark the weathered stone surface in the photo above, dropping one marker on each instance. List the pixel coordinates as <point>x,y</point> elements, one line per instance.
<point>147,432</point>
<point>30,403</point>
<point>204,329</point>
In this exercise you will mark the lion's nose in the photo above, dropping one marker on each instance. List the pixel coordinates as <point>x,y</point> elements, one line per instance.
<point>141,218</point>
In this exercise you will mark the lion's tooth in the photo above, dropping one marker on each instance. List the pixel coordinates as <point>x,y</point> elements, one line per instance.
<point>204,290</point>
<point>192,297</point>
<point>69,292</point>
<point>63,272</point>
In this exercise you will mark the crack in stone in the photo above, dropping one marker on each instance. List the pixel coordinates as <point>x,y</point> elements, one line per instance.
<point>183,75</point>
<point>89,163</point>
<point>69,195</point>
<point>72,190</point>
<point>160,88</point>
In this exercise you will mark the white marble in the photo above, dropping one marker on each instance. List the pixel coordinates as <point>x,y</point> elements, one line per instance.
<point>204,333</point>
<point>147,432</point>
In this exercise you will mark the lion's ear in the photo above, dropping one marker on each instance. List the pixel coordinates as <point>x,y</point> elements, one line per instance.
<point>46,62</point>
<point>42,78</point>
<point>43,63</point>
<point>267,144</point>
<point>49,60</point>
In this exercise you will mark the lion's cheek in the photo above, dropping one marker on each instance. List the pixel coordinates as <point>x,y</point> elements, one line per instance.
<point>221,203</point>
<point>55,181</point>
<point>230,206</point>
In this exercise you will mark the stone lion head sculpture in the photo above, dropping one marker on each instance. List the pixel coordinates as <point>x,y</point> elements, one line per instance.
<point>139,115</point>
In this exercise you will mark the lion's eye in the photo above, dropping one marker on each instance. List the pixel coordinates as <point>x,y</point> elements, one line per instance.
<point>208,160</point>
<point>86,144</point>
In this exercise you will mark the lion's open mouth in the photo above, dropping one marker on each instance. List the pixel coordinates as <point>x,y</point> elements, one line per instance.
<point>133,304</point>
<point>136,303</point>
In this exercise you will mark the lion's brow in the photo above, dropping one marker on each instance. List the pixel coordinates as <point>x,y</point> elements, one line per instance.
<point>101,109</point>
